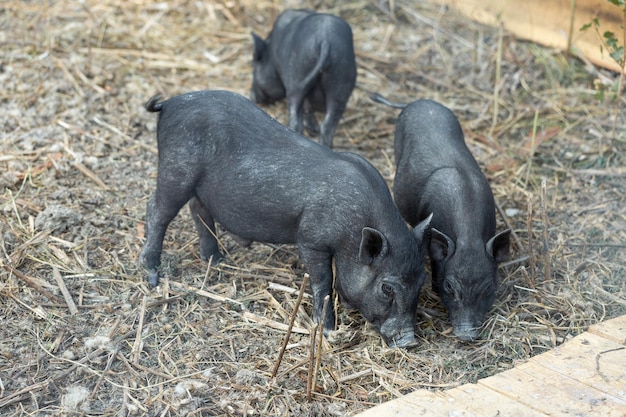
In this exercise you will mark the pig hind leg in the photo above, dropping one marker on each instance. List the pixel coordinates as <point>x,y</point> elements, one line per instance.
<point>337,92</point>
<point>161,209</point>
<point>310,122</point>
<point>296,111</point>
<point>298,88</point>
<point>205,225</point>
<point>334,110</point>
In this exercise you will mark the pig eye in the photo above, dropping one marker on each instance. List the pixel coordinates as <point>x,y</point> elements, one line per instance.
<point>447,287</point>
<point>387,290</point>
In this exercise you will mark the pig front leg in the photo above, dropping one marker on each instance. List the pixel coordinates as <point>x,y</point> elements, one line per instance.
<point>320,268</point>
<point>205,225</point>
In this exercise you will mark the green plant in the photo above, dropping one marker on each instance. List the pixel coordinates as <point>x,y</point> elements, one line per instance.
<point>610,41</point>
<point>615,49</point>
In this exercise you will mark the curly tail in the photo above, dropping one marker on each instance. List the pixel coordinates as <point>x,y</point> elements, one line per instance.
<point>152,105</point>
<point>380,99</point>
<point>322,62</point>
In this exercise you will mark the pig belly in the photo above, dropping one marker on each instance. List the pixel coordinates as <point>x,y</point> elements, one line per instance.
<point>259,225</point>
<point>252,214</point>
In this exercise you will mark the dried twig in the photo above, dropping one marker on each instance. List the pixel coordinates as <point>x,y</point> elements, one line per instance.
<point>354,375</point>
<point>203,293</point>
<point>515,261</point>
<point>531,255</point>
<point>608,172</point>
<point>33,284</point>
<point>280,287</point>
<point>272,323</point>
<point>66,294</point>
<point>318,354</point>
<point>546,245</point>
<point>290,327</point>
<point>90,174</point>
<point>505,219</point>
<point>496,83</point>
<point>597,360</point>
<point>19,395</point>
<point>309,379</point>
<point>112,356</point>
<point>596,283</point>
<point>115,130</point>
<point>138,344</point>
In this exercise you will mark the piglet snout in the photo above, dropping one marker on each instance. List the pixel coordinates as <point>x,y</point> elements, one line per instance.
<point>404,339</point>
<point>466,332</point>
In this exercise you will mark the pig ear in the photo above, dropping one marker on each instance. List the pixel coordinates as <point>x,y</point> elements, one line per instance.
<point>441,246</point>
<point>374,247</point>
<point>421,230</point>
<point>259,47</point>
<point>498,246</point>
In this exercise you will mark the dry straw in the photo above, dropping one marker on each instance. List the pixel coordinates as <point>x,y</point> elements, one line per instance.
<point>78,162</point>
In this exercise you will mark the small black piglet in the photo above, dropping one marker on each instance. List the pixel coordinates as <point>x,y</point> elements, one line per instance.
<point>263,182</point>
<point>308,58</point>
<point>436,173</point>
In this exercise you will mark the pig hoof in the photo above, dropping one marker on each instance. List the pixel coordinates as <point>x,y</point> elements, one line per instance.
<point>153,278</point>
<point>403,341</point>
<point>312,130</point>
<point>213,258</point>
<point>467,335</point>
<point>311,125</point>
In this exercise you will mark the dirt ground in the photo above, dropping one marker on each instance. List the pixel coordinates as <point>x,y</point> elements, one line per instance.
<point>78,165</point>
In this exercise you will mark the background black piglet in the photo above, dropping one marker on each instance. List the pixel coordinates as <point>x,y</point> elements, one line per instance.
<point>263,182</point>
<point>436,173</point>
<point>308,58</point>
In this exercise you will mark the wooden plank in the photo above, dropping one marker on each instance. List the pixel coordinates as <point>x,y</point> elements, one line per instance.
<point>550,22</point>
<point>592,360</point>
<point>559,395</point>
<point>483,401</point>
<point>586,376</point>
<point>467,401</point>
<point>418,403</point>
<point>614,329</point>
